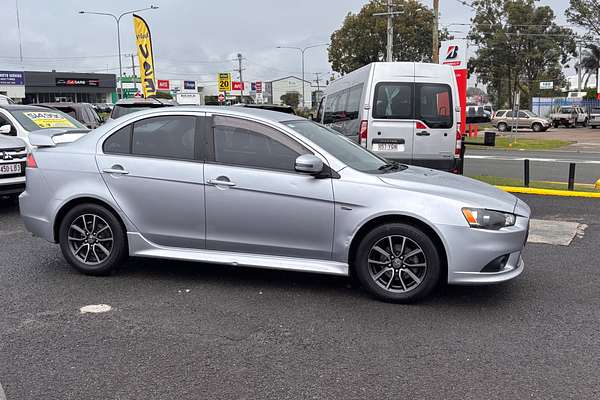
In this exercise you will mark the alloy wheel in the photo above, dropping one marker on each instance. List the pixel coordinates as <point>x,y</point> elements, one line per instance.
<point>90,239</point>
<point>397,263</point>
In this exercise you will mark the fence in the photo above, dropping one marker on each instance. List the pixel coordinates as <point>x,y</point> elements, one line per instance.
<point>543,106</point>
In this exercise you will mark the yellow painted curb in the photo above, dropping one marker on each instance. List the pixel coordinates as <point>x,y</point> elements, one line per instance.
<point>548,192</point>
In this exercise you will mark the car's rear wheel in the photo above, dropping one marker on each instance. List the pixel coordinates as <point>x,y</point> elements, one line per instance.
<point>397,263</point>
<point>502,127</point>
<point>537,127</point>
<point>92,239</point>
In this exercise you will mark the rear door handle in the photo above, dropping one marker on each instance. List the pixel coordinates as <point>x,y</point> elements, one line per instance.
<point>220,182</point>
<point>115,169</point>
<point>423,133</point>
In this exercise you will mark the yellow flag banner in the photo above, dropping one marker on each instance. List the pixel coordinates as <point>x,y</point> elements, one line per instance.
<point>143,43</point>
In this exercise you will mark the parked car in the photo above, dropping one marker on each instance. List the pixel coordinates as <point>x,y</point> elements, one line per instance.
<point>403,111</point>
<point>571,116</point>
<point>6,100</point>
<point>103,107</point>
<point>247,187</point>
<point>504,121</point>
<point>594,120</point>
<point>82,112</point>
<point>128,106</point>
<point>20,120</point>
<point>478,114</point>
<point>13,154</point>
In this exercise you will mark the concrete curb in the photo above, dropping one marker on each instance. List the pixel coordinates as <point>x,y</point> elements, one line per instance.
<point>548,192</point>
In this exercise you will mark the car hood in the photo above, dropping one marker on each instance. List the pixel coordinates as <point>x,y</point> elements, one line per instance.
<point>7,142</point>
<point>469,191</point>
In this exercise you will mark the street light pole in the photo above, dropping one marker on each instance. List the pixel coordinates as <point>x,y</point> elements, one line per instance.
<point>118,20</point>
<point>302,50</point>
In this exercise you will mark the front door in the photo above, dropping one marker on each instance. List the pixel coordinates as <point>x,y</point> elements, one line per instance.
<point>153,171</point>
<point>256,202</point>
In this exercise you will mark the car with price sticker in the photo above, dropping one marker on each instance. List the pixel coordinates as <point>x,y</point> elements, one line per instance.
<point>20,120</point>
<point>13,154</point>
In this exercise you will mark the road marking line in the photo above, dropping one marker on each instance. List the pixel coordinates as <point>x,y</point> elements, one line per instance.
<point>548,192</point>
<point>503,158</point>
<point>2,395</point>
<point>558,233</point>
<point>95,308</point>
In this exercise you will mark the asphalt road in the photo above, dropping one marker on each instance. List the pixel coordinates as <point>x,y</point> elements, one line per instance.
<point>544,165</point>
<point>192,331</point>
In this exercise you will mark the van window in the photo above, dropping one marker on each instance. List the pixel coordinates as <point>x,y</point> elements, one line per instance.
<point>393,100</point>
<point>350,127</point>
<point>434,105</point>
<point>335,107</point>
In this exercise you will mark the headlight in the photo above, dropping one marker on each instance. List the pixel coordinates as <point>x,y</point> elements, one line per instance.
<point>486,219</point>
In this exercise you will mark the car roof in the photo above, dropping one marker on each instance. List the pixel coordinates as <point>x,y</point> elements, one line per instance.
<point>142,101</point>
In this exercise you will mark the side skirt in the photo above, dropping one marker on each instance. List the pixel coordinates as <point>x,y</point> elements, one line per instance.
<point>141,247</point>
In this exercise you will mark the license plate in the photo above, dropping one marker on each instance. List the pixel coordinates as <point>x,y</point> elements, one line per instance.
<point>9,169</point>
<point>387,147</point>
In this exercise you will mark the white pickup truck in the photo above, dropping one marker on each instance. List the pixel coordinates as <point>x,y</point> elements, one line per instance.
<point>594,117</point>
<point>569,116</point>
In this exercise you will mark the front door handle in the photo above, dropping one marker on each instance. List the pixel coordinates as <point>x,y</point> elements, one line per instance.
<point>220,182</point>
<point>423,133</point>
<point>116,169</point>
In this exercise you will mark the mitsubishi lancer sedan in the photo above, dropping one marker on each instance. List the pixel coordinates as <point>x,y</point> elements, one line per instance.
<point>257,188</point>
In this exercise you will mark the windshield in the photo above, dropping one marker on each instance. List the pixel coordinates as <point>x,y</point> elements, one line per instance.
<point>349,153</point>
<point>33,120</point>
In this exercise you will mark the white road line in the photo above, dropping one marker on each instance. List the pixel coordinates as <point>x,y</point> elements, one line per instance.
<point>2,395</point>
<point>503,158</point>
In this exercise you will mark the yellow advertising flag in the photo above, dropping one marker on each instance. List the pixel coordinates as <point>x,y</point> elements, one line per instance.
<point>143,43</point>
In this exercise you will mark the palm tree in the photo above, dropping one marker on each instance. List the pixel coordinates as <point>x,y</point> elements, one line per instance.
<point>590,62</point>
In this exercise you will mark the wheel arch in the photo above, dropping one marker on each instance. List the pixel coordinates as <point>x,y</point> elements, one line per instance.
<point>369,225</point>
<point>64,209</point>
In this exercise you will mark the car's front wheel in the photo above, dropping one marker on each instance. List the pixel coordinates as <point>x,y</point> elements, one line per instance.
<point>92,239</point>
<point>502,127</point>
<point>397,263</point>
<point>537,127</point>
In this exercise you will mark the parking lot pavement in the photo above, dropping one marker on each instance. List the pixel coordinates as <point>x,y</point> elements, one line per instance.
<point>190,331</point>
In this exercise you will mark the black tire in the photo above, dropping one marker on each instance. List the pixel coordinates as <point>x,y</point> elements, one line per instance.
<point>502,127</point>
<point>117,248</point>
<point>537,127</point>
<point>367,272</point>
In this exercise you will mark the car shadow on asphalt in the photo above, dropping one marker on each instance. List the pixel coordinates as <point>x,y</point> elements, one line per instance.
<point>8,206</point>
<point>326,286</point>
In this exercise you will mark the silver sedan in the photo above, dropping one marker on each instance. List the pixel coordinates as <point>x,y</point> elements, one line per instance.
<point>263,189</point>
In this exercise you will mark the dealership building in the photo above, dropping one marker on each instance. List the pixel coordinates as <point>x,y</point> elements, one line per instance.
<point>39,87</point>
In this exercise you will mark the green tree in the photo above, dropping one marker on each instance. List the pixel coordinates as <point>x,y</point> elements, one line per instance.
<point>291,99</point>
<point>590,62</point>
<point>518,45</point>
<point>362,38</point>
<point>586,14</point>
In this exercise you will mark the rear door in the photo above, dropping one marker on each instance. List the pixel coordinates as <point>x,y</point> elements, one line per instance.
<point>154,171</point>
<point>391,122</point>
<point>435,126</point>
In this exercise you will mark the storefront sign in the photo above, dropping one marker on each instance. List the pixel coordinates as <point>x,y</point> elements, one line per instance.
<point>546,85</point>
<point>190,85</point>
<point>11,78</point>
<point>76,82</point>
<point>237,85</point>
<point>163,84</point>
<point>258,87</point>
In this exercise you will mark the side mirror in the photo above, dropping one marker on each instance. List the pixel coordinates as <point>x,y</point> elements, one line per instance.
<point>308,163</point>
<point>5,129</point>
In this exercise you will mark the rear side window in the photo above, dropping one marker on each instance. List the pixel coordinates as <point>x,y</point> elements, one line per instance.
<point>393,100</point>
<point>165,137</point>
<point>246,143</point>
<point>119,142</point>
<point>434,105</point>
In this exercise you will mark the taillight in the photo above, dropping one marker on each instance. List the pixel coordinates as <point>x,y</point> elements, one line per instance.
<point>362,133</point>
<point>458,144</point>
<point>31,161</point>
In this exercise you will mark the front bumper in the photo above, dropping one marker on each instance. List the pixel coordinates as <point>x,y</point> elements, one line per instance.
<point>471,250</point>
<point>11,186</point>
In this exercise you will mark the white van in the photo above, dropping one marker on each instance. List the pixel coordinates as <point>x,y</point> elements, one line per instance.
<point>403,111</point>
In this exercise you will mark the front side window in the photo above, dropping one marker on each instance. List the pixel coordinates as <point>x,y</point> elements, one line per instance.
<point>523,114</point>
<point>165,137</point>
<point>250,144</point>
<point>434,105</point>
<point>393,100</point>
<point>500,114</point>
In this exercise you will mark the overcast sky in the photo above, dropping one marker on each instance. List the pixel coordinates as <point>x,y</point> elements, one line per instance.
<point>192,39</point>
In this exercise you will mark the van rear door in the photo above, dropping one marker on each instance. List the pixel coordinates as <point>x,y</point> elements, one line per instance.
<point>435,122</point>
<point>391,120</point>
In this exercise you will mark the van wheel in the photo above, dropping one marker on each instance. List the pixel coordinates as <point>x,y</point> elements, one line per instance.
<point>92,239</point>
<point>397,263</point>
<point>537,127</point>
<point>502,127</point>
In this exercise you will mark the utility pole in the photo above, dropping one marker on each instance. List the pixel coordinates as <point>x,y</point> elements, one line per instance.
<point>436,47</point>
<point>133,68</point>
<point>318,80</point>
<point>390,29</point>
<point>239,58</point>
